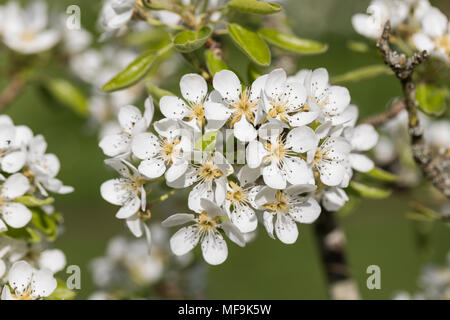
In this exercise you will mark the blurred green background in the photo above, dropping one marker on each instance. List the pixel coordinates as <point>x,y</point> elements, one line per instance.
<point>377,233</point>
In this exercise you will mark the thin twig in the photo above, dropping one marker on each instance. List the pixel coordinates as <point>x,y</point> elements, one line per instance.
<point>435,168</point>
<point>381,118</point>
<point>11,92</point>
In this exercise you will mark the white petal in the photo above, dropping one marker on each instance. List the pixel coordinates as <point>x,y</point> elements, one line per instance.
<point>128,117</point>
<point>115,144</point>
<point>16,215</point>
<point>301,139</point>
<point>115,191</point>
<point>216,111</point>
<point>274,177</point>
<point>360,162</point>
<point>244,130</point>
<point>221,190</point>
<point>319,83</point>
<point>255,153</point>
<point>212,209</point>
<point>275,83</point>
<point>177,219</point>
<point>244,218</point>
<point>306,212</point>
<point>14,161</point>
<point>135,225</point>
<point>264,196</point>
<point>286,229</point>
<point>7,135</point>
<point>6,293</point>
<point>2,268</point>
<point>228,85</point>
<point>145,145</point>
<point>3,226</point>
<point>334,199</point>
<point>233,233</point>
<point>201,190</point>
<point>173,107</point>
<point>193,87</point>
<point>149,111</point>
<point>435,23</point>
<point>43,283</point>
<point>302,118</point>
<point>23,136</point>
<point>152,168</point>
<point>423,42</point>
<point>129,208</point>
<point>214,248</point>
<point>184,240</point>
<point>19,276</point>
<point>167,128</point>
<point>15,186</point>
<point>331,173</point>
<point>298,171</point>
<point>268,223</point>
<point>53,260</point>
<point>299,189</point>
<point>364,137</point>
<point>338,100</point>
<point>257,89</point>
<point>120,167</point>
<point>248,175</point>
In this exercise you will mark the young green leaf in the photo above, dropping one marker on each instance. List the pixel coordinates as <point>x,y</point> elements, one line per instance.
<point>214,63</point>
<point>431,99</point>
<point>382,175</point>
<point>45,223</point>
<point>292,43</point>
<point>369,191</point>
<point>254,6</point>
<point>157,93</point>
<point>32,201</point>
<point>28,234</point>
<point>363,73</point>
<point>188,41</point>
<point>69,95</point>
<point>250,43</point>
<point>134,72</point>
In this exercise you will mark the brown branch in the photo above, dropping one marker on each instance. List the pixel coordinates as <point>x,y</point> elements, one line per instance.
<point>331,242</point>
<point>435,168</point>
<point>381,118</point>
<point>11,91</point>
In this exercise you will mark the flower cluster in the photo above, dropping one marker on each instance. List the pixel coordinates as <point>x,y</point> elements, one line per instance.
<point>28,174</point>
<point>416,21</point>
<point>296,135</point>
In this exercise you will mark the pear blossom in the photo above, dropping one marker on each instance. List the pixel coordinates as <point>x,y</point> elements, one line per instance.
<point>242,107</point>
<point>331,100</point>
<point>279,156</point>
<point>13,214</point>
<point>129,193</point>
<point>25,30</point>
<point>197,108</point>
<point>334,198</point>
<point>52,259</point>
<point>285,99</point>
<point>164,151</point>
<point>437,134</point>
<point>288,206</point>
<point>204,229</point>
<point>362,138</point>
<point>379,12</point>
<point>115,15</point>
<point>208,170</point>
<point>28,283</point>
<point>435,34</point>
<point>132,123</point>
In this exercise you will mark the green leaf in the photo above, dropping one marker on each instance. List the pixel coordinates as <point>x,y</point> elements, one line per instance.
<point>363,73</point>
<point>134,72</point>
<point>214,63</point>
<point>157,93</point>
<point>45,223</point>
<point>292,43</point>
<point>253,72</point>
<point>28,234</point>
<point>61,292</point>
<point>431,99</point>
<point>188,41</point>
<point>369,191</point>
<point>32,201</point>
<point>418,217</point>
<point>206,142</point>
<point>254,6</point>
<point>69,95</point>
<point>250,43</point>
<point>382,175</point>
<point>358,46</point>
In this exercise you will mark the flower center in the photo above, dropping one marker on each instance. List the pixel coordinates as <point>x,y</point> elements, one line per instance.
<point>280,205</point>
<point>28,36</point>
<point>237,194</point>
<point>279,110</point>
<point>207,171</point>
<point>443,43</point>
<point>23,296</point>
<point>197,113</point>
<point>206,223</point>
<point>277,151</point>
<point>169,150</point>
<point>243,107</point>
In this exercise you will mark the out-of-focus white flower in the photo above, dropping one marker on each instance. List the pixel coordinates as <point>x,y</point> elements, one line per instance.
<point>435,34</point>
<point>28,283</point>
<point>379,12</point>
<point>14,214</point>
<point>76,41</point>
<point>288,206</point>
<point>437,134</point>
<point>362,138</point>
<point>25,30</point>
<point>115,15</point>
<point>204,230</point>
<point>13,140</point>
<point>334,198</point>
<point>52,259</point>
<point>129,193</point>
<point>384,151</point>
<point>133,123</point>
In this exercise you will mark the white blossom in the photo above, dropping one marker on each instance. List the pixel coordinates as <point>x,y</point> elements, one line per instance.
<point>362,138</point>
